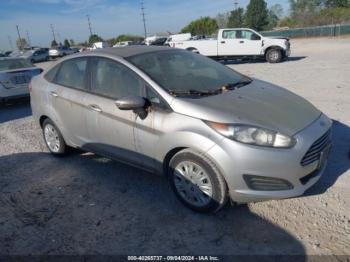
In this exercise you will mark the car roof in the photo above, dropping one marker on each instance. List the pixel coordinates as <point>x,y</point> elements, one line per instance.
<point>129,51</point>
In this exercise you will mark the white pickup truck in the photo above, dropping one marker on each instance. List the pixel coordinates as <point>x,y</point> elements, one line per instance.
<point>239,43</point>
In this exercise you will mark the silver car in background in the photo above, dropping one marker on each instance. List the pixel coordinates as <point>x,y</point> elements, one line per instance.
<point>15,75</point>
<point>60,51</point>
<point>215,134</point>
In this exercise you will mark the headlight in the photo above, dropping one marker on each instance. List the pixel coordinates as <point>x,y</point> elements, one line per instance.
<point>253,135</point>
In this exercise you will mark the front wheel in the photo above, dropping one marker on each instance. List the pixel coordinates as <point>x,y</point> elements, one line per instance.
<point>274,56</point>
<point>197,182</point>
<point>53,138</point>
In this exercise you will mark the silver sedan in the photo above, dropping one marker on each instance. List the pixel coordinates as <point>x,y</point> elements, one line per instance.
<point>215,134</point>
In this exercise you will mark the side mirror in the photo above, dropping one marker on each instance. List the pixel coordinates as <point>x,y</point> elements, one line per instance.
<point>131,103</point>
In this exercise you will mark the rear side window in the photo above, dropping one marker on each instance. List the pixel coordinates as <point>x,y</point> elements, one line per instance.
<point>72,73</point>
<point>112,79</point>
<point>230,34</point>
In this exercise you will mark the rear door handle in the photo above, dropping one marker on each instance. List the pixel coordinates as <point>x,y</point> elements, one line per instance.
<point>223,42</point>
<point>241,42</point>
<point>54,94</point>
<point>95,108</point>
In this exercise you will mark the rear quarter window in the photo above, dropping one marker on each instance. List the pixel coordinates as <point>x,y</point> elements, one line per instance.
<point>51,74</point>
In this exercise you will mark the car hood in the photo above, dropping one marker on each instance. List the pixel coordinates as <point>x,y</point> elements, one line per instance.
<point>259,103</point>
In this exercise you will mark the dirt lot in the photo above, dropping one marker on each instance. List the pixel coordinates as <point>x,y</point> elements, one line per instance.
<point>86,204</point>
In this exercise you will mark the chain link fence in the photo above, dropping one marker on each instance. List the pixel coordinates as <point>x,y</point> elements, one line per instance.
<point>327,30</point>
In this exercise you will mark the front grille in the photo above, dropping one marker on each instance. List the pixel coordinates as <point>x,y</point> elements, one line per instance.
<point>314,152</point>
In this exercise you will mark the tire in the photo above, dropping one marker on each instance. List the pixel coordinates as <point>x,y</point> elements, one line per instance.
<point>274,56</point>
<point>199,170</point>
<point>32,61</point>
<point>193,50</point>
<point>53,138</point>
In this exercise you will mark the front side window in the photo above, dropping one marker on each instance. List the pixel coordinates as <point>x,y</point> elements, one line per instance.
<point>155,99</point>
<point>249,35</point>
<point>183,71</point>
<point>112,79</point>
<point>72,73</point>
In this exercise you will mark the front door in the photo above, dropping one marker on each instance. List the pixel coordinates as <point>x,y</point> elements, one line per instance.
<point>111,130</point>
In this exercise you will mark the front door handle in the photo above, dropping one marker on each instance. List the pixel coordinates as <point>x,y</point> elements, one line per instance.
<point>95,108</point>
<point>223,42</point>
<point>54,94</point>
<point>241,42</point>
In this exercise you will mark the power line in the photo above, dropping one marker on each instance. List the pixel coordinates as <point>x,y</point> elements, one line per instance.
<point>19,38</point>
<point>10,42</point>
<point>53,32</point>
<point>143,18</point>
<point>28,38</point>
<point>89,23</point>
<point>58,36</point>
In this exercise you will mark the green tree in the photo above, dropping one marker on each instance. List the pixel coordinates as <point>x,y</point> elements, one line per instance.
<point>122,38</point>
<point>202,26</point>
<point>338,3</point>
<point>71,42</point>
<point>53,43</point>
<point>257,15</point>
<point>275,14</point>
<point>236,18</point>
<point>21,43</point>
<point>95,38</point>
<point>66,43</point>
<point>222,19</point>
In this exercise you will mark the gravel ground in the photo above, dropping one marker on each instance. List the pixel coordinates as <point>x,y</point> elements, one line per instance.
<point>86,204</point>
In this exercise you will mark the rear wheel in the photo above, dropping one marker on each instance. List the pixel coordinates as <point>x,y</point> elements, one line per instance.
<point>193,50</point>
<point>197,182</point>
<point>53,138</point>
<point>274,56</point>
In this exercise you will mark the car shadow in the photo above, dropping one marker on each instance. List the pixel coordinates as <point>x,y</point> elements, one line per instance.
<point>15,109</point>
<point>339,159</point>
<point>259,61</point>
<point>88,204</point>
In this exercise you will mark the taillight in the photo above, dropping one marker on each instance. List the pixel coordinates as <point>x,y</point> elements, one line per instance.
<point>30,86</point>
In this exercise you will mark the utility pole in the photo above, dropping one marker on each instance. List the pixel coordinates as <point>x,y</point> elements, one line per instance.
<point>53,32</point>
<point>10,42</point>
<point>236,4</point>
<point>143,18</point>
<point>28,38</point>
<point>19,38</point>
<point>89,23</point>
<point>58,36</point>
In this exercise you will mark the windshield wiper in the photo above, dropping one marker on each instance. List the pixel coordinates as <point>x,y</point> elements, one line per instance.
<point>233,86</point>
<point>224,88</point>
<point>193,92</point>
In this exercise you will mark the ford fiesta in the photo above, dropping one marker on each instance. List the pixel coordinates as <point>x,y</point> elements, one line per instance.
<point>216,134</point>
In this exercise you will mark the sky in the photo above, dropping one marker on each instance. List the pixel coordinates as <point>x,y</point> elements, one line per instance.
<point>109,18</point>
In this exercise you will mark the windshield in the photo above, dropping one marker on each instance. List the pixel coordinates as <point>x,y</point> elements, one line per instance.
<point>183,72</point>
<point>10,64</point>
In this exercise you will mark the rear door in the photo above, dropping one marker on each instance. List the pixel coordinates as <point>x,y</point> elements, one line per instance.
<point>111,130</point>
<point>68,92</point>
<point>229,43</point>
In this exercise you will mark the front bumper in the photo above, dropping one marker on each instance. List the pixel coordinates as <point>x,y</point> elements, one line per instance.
<point>237,159</point>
